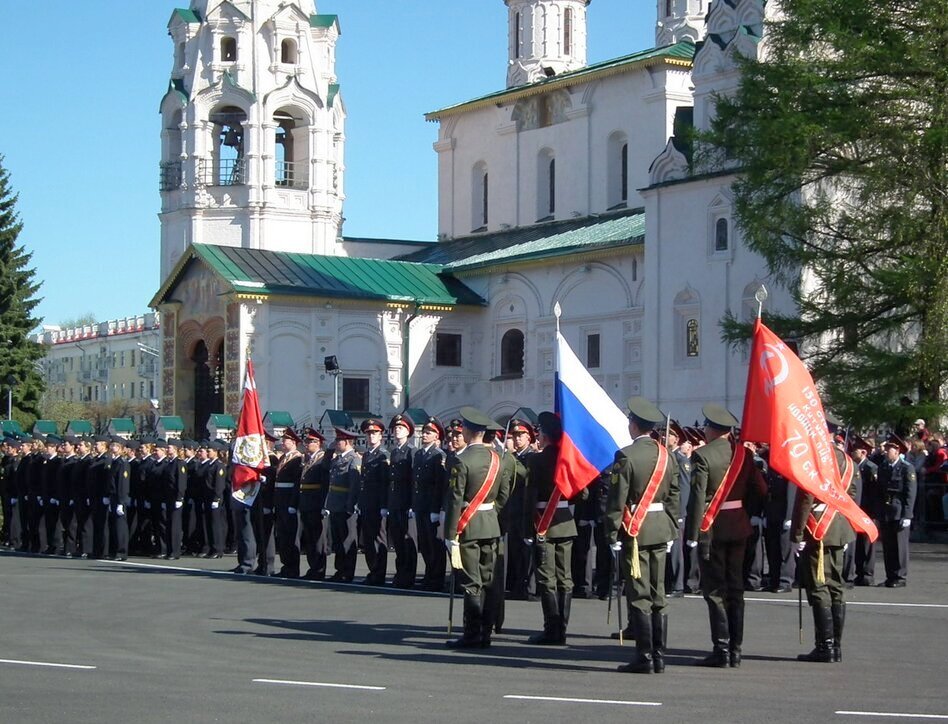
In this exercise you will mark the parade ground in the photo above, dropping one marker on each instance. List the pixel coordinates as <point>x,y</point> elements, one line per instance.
<point>153,641</point>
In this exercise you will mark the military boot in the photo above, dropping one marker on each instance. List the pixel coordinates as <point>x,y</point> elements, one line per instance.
<point>720,639</point>
<point>823,632</point>
<point>565,601</point>
<point>550,636</point>
<point>839,618</point>
<point>735,623</point>
<point>643,662</point>
<point>473,613</point>
<point>659,635</point>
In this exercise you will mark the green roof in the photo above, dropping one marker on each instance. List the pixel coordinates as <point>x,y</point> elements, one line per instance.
<point>122,424</point>
<point>278,418</point>
<point>79,427</point>
<point>681,52</point>
<point>417,415</point>
<point>333,92</point>
<point>337,418</point>
<point>258,272</point>
<point>533,243</point>
<point>324,21</point>
<point>11,426</point>
<point>171,422</point>
<point>223,422</point>
<point>45,427</point>
<point>186,14</point>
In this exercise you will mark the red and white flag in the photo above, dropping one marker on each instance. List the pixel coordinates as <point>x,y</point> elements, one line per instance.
<point>782,407</point>
<point>250,454</point>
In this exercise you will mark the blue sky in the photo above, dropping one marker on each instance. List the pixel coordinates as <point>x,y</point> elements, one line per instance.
<point>80,127</point>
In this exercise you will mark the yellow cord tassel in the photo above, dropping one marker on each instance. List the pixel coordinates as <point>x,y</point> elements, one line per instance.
<point>636,570</point>
<point>820,569</point>
<point>456,556</point>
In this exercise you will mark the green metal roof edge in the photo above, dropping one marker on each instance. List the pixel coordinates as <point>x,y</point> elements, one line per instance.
<point>333,92</point>
<point>46,427</point>
<point>682,50</point>
<point>11,426</point>
<point>172,422</point>
<point>122,424</point>
<point>279,418</point>
<point>80,426</point>
<point>222,420</point>
<point>186,14</point>
<point>546,254</point>
<point>324,21</point>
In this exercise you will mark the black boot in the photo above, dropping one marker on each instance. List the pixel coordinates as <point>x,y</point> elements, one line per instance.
<point>823,631</point>
<point>735,624</point>
<point>551,621</point>
<point>659,635</point>
<point>642,663</point>
<point>839,618</point>
<point>473,613</point>
<point>565,601</point>
<point>720,638</point>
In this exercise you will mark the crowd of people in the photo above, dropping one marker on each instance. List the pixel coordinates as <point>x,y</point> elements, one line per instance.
<point>479,499</point>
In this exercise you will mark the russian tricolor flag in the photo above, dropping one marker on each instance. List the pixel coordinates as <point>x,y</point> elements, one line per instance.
<point>594,428</point>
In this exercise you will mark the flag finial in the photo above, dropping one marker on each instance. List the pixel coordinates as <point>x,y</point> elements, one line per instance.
<point>557,312</point>
<point>761,296</point>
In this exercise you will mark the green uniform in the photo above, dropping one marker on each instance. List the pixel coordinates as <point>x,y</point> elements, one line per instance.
<point>554,551</point>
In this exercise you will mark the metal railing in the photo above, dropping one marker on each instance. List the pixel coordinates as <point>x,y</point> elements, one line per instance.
<point>226,172</point>
<point>148,368</point>
<point>291,174</point>
<point>170,176</point>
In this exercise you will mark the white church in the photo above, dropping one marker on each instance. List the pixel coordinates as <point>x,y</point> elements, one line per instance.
<point>573,184</point>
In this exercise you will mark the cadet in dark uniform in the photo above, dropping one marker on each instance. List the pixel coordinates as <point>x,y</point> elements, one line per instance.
<point>520,562</point>
<point>642,522</point>
<point>214,481</point>
<point>373,500</point>
<point>345,476</point>
<point>263,518</point>
<point>119,497</point>
<point>821,564</point>
<point>551,531</point>
<point>721,549</point>
<point>678,560</point>
<point>67,496</point>
<point>314,484</point>
<point>781,498</point>
<point>51,495</point>
<point>101,473</point>
<point>430,482</point>
<point>476,490</point>
<point>870,500</point>
<point>192,514</point>
<point>286,500</point>
<point>82,485</point>
<point>899,484</point>
<point>175,480</point>
<point>11,462</point>
<point>399,510</point>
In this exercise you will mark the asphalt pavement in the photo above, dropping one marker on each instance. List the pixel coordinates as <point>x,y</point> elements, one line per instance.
<point>184,641</point>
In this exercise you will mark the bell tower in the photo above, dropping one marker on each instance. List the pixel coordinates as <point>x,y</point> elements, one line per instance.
<point>680,20</point>
<point>545,38</point>
<point>252,129</point>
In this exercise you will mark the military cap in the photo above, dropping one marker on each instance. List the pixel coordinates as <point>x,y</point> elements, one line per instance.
<point>71,439</point>
<point>149,440</point>
<point>519,426</point>
<point>161,443</point>
<point>641,409</point>
<point>290,434</point>
<point>832,423</point>
<point>203,445</point>
<point>14,443</point>
<point>694,435</point>
<point>268,436</point>
<point>718,417</point>
<point>53,440</point>
<point>455,425</point>
<point>857,442</point>
<point>496,427</point>
<point>102,438</point>
<point>117,439</point>
<point>38,438</point>
<point>550,425</point>
<point>474,419</point>
<point>895,441</point>
<point>174,442</point>
<point>677,430</point>
<point>344,434</point>
<point>132,444</point>
<point>372,425</point>
<point>404,421</point>
<point>434,424</point>
<point>189,444</point>
<point>311,433</point>
<point>219,445</point>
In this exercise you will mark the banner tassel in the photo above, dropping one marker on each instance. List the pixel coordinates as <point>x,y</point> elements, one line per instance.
<point>636,570</point>
<point>820,569</point>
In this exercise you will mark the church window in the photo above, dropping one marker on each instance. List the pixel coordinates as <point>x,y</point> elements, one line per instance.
<point>511,353</point>
<point>228,49</point>
<point>635,270</point>
<point>447,350</point>
<point>546,186</point>
<point>479,197</point>
<point>624,164</point>
<point>484,199</point>
<point>691,330</point>
<point>720,235</point>
<point>617,168</point>
<point>567,31</point>
<point>516,35</point>
<point>227,158</point>
<point>687,321</point>
<point>552,183</point>
<point>668,7</point>
<point>355,394</point>
<point>288,52</point>
<point>592,350</point>
<point>179,56</point>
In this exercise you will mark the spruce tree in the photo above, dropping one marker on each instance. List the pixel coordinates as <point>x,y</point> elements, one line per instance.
<point>18,352</point>
<point>841,136</point>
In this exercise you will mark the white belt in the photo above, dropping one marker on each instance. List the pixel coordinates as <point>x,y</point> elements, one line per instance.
<point>819,508</point>
<point>732,505</point>
<point>285,485</point>
<point>482,507</point>
<point>561,504</point>
<point>653,508</point>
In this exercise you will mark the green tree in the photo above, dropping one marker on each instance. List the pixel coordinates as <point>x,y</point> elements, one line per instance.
<point>19,353</point>
<point>841,136</point>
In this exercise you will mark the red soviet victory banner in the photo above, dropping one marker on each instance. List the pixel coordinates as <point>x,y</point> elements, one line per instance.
<point>249,455</point>
<point>782,407</point>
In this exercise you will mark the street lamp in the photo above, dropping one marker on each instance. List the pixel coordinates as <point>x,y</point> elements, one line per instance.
<point>10,381</point>
<point>332,367</point>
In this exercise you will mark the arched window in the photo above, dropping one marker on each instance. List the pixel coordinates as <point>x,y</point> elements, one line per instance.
<point>668,7</point>
<point>687,315</point>
<point>567,31</point>
<point>479,196</point>
<point>617,167</point>
<point>516,36</point>
<point>720,235</point>
<point>227,160</point>
<point>179,56</point>
<point>290,147</point>
<point>552,182</point>
<point>511,352</point>
<point>288,52</point>
<point>546,185</point>
<point>228,49</point>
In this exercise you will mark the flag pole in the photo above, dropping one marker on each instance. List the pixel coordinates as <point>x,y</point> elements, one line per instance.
<point>761,296</point>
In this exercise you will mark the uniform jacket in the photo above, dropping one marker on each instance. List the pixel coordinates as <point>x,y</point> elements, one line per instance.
<point>174,479</point>
<point>400,478</point>
<point>631,471</point>
<point>314,481</point>
<point>345,478</point>
<point>65,480</point>
<point>431,480</point>
<point>215,480</point>
<point>100,471</point>
<point>373,493</point>
<point>781,498</point>
<point>840,531</point>
<point>869,497</point>
<point>899,486</point>
<point>288,471</point>
<point>51,477</point>
<point>468,474</point>
<point>538,489</point>
<point>119,482</point>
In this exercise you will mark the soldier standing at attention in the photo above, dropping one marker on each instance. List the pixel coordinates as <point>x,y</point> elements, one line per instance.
<point>399,510</point>
<point>373,502</point>
<point>119,493</point>
<point>430,481</point>
<point>551,531</point>
<point>345,476</point>
<point>868,498</point>
<point>286,494</point>
<point>476,491</point>
<point>641,524</point>
<point>314,480</point>
<point>820,545</point>
<point>215,487</point>
<point>520,570</point>
<point>898,484</point>
<point>721,549</point>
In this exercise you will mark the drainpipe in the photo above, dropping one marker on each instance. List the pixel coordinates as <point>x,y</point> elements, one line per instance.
<point>406,375</point>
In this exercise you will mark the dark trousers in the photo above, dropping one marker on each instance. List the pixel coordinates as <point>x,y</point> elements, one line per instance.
<point>246,540</point>
<point>478,558</point>
<point>118,534</point>
<point>266,548</point>
<point>6,507</point>
<point>376,553</point>
<point>100,527</point>
<point>754,558</point>
<point>312,542</point>
<point>495,605</point>
<point>37,529</point>
<point>54,538</point>
<point>554,558</point>
<point>84,537</point>
<point>15,529</point>
<point>432,551</point>
<point>722,578</point>
<point>159,520</point>
<point>583,563</point>
<point>345,555</point>
<point>780,558</point>
<point>865,559</point>
<point>67,523</point>
<point>193,525</point>
<point>521,581</point>
<point>604,562</point>
<point>172,539</point>
<point>895,550</point>
<point>406,554</point>
<point>287,544</point>
<point>214,527</point>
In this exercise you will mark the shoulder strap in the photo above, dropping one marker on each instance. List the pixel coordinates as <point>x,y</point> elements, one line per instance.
<point>720,495</point>
<point>481,494</point>
<point>632,522</point>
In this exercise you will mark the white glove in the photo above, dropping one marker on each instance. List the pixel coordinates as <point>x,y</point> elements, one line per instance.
<point>800,546</point>
<point>268,511</point>
<point>528,541</point>
<point>72,502</point>
<point>385,512</point>
<point>411,513</point>
<point>325,513</point>
<point>263,478</point>
<point>105,501</point>
<point>178,504</point>
<point>120,510</point>
<point>291,511</point>
<point>691,543</point>
<point>669,545</point>
<point>756,520</point>
<point>906,522</point>
<point>434,517</point>
<point>14,501</point>
<point>617,546</point>
<point>147,505</point>
<point>845,547</point>
<point>356,510</point>
<point>164,506</point>
<point>54,501</point>
<point>39,500</point>
<point>786,525</point>
<point>215,505</point>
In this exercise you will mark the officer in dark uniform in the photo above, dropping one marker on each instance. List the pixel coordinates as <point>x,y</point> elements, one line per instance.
<point>494,610</point>
<point>11,461</point>
<point>215,485</point>
<point>100,471</point>
<point>286,500</point>
<point>82,486</point>
<point>520,561</point>
<point>175,479</point>
<point>314,484</point>
<point>824,588</point>
<point>870,500</point>
<point>373,500</point>
<point>345,478</point>
<point>263,516</point>
<point>119,498</point>
<point>551,531</point>
<point>899,485</point>
<point>399,502</point>
<point>755,552</point>
<point>192,514</point>
<point>644,493</point>
<point>66,495</point>
<point>476,490</point>
<point>430,482</point>
<point>51,495</point>
<point>778,510</point>
<point>678,561</point>
<point>721,549</point>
